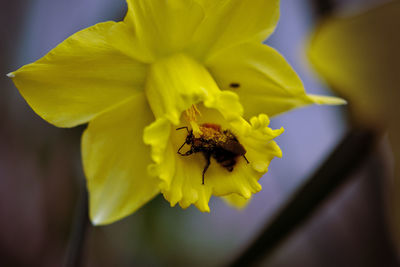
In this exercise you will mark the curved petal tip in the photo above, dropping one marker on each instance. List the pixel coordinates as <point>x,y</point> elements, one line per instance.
<point>327,100</point>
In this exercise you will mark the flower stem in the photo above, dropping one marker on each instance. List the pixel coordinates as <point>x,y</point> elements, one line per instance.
<point>346,158</point>
<point>78,233</point>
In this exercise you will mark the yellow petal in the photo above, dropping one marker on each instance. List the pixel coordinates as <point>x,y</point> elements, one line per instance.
<point>164,27</point>
<point>326,100</point>
<point>115,161</point>
<point>124,39</point>
<point>186,187</point>
<point>157,136</point>
<point>236,201</point>
<point>229,22</point>
<point>79,78</point>
<point>177,181</point>
<point>263,79</point>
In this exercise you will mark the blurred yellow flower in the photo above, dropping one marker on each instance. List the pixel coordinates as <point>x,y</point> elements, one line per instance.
<point>358,55</point>
<point>167,65</point>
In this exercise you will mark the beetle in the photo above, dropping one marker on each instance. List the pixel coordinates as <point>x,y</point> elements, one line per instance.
<point>214,142</point>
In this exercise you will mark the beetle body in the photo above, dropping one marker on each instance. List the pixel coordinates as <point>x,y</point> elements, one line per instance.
<point>214,142</point>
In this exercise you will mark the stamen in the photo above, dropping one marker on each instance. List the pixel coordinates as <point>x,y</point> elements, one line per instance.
<point>191,116</point>
<point>191,113</point>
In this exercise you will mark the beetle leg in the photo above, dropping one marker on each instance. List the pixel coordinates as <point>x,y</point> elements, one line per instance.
<point>179,150</point>
<point>245,159</point>
<point>207,156</point>
<point>180,128</point>
<point>187,153</point>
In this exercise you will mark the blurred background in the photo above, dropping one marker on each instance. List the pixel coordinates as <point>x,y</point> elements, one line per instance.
<point>41,175</point>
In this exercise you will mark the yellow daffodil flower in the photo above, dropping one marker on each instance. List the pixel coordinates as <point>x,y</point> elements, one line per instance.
<point>197,65</point>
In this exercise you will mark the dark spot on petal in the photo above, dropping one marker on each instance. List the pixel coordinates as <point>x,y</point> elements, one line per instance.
<point>234,85</point>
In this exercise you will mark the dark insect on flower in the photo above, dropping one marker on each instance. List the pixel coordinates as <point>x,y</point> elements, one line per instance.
<point>234,85</point>
<point>223,146</point>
